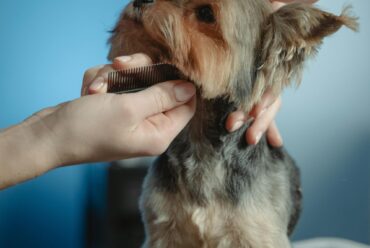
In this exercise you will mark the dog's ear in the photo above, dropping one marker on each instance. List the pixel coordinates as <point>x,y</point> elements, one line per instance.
<point>291,35</point>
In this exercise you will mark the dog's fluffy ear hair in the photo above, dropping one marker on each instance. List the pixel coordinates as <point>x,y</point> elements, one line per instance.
<point>290,35</point>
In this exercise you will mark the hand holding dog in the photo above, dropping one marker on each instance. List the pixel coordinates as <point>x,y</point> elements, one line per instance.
<point>264,113</point>
<point>108,127</point>
<point>139,124</point>
<point>102,127</point>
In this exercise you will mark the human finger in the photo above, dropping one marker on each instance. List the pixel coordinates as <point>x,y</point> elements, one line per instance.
<point>235,120</point>
<point>168,125</point>
<point>131,61</point>
<point>267,99</point>
<point>161,97</point>
<point>99,84</point>
<point>89,76</point>
<point>273,135</point>
<point>262,122</point>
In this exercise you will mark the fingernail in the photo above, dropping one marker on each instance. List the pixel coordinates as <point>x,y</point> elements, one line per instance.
<point>250,119</point>
<point>258,137</point>
<point>97,84</point>
<point>237,125</point>
<point>184,91</point>
<point>124,59</point>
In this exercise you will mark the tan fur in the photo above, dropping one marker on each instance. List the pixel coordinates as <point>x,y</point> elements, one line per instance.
<point>175,221</point>
<point>287,38</point>
<point>290,36</point>
<point>246,51</point>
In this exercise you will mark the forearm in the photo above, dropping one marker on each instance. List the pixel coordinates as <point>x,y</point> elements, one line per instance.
<point>25,153</point>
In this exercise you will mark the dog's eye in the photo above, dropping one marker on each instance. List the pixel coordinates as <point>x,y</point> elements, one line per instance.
<point>205,14</point>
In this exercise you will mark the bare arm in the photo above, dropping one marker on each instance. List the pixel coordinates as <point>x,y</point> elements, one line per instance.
<point>95,128</point>
<point>24,152</point>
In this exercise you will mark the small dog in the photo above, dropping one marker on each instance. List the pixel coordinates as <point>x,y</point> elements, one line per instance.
<point>211,189</point>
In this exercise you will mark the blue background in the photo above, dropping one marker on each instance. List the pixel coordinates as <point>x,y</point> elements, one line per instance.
<point>45,47</point>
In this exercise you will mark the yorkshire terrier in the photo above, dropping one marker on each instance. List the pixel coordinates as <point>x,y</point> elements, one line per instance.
<point>210,188</point>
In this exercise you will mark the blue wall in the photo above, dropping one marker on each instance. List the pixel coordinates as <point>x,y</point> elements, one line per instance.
<point>45,47</point>
<point>326,126</point>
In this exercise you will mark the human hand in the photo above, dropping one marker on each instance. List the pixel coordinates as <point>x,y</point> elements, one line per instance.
<point>102,127</point>
<point>265,111</point>
<point>95,79</point>
<point>276,4</point>
<point>106,127</point>
<point>263,115</point>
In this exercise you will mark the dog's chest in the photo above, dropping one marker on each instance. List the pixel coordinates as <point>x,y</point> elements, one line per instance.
<point>219,222</point>
<point>203,181</point>
<point>212,190</point>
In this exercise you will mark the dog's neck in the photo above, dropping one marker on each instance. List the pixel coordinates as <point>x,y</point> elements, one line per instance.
<point>205,145</point>
<point>206,131</point>
<point>208,123</point>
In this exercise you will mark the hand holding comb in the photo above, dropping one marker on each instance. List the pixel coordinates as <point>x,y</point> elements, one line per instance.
<point>139,78</point>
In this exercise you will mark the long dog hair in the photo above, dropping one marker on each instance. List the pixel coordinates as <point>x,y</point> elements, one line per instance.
<point>211,189</point>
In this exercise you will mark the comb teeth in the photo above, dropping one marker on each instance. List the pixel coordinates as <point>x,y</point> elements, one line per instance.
<point>136,79</point>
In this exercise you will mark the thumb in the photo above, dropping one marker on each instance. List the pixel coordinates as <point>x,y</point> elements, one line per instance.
<point>295,1</point>
<point>162,97</point>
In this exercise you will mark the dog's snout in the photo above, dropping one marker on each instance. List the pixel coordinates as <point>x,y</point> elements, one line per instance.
<point>140,3</point>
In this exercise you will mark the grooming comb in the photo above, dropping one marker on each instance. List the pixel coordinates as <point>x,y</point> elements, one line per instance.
<point>136,79</point>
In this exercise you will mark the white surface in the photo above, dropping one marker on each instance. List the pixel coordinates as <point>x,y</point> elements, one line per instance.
<point>328,243</point>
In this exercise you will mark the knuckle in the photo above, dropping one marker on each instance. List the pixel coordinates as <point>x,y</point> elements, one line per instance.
<point>89,72</point>
<point>161,99</point>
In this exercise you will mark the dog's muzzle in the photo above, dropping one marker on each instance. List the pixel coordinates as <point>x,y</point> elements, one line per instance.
<point>140,3</point>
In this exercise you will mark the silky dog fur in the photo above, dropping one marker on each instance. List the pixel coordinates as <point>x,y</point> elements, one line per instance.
<point>210,188</point>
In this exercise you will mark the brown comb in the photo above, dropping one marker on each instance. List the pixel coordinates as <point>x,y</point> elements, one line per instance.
<point>136,79</point>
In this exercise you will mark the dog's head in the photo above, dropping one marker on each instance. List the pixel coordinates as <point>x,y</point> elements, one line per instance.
<point>231,48</point>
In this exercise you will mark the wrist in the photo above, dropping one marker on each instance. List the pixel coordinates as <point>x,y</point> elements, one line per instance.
<point>44,144</point>
<point>24,153</point>
<point>64,133</point>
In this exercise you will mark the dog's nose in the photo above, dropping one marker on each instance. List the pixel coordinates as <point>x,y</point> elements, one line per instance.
<point>139,3</point>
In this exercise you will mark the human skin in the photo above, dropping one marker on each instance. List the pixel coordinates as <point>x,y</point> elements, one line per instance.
<point>107,127</point>
<point>263,113</point>
<point>266,110</point>
<point>103,127</point>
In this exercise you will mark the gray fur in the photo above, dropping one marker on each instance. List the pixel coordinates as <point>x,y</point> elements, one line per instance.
<point>189,167</point>
<point>210,189</point>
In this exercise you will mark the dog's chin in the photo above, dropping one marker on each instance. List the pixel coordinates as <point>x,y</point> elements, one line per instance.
<point>157,51</point>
